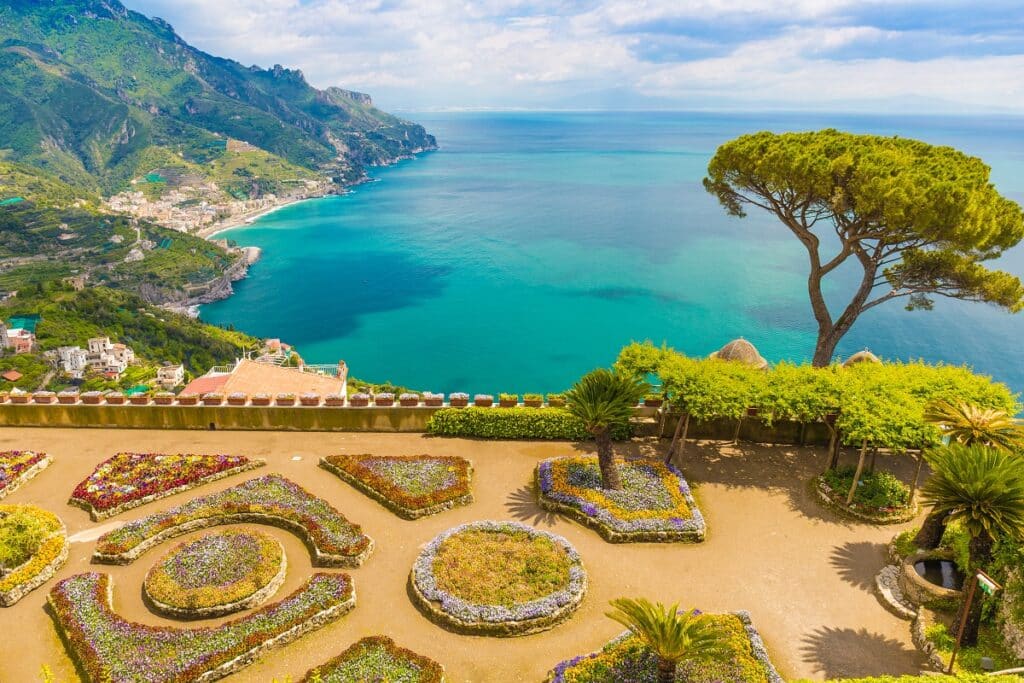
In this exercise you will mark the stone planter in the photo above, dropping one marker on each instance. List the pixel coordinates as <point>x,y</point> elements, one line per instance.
<point>508,403</point>
<point>383,402</point>
<point>556,402</point>
<point>3,396</point>
<point>914,586</point>
<point>408,402</point>
<point>22,399</point>
<point>533,402</point>
<point>67,399</point>
<point>285,400</point>
<point>212,399</point>
<point>483,401</point>
<point>139,400</point>
<point>115,399</point>
<point>434,401</point>
<point>163,399</point>
<point>238,399</point>
<point>44,397</point>
<point>310,400</point>
<point>359,401</point>
<point>458,402</point>
<point>260,400</point>
<point>334,401</point>
<point>188,399</point>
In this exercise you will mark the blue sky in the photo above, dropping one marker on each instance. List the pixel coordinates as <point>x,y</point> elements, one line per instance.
<point>871,55</point>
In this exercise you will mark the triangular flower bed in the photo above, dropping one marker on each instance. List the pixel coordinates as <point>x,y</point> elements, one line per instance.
<point>17,467</point>
<point>410,486</point>
<point>332,540</point>
<point>625,658</point>
<point>655,503</point>
<point>377,658</point>
<point>129,480</point>
<point>109,648</point>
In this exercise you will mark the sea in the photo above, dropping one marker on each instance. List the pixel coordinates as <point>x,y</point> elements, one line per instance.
<point>532,246</point>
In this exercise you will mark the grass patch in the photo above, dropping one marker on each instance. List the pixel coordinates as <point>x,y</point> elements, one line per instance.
<point>990,644</point>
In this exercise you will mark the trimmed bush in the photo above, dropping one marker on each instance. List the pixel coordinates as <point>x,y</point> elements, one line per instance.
<point>513,423</point>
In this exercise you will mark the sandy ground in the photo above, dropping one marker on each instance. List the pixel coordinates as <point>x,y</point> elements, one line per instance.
<point>804,574</point>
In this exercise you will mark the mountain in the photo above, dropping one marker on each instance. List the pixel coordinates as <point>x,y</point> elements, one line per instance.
<point>100,95</point>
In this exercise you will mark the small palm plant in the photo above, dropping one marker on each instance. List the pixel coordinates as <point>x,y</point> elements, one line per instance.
<point>604,400</point>
<point>983,488</point>
<point>969,425</point>
<point>673,636</point>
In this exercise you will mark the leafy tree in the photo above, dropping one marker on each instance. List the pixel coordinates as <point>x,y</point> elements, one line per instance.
<point>917,219</point>
<point>672,635</point>
<point>983,488</point>
<point>604,400</point>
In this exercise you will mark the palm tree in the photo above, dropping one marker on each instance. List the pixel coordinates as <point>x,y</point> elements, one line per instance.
<point>673,636</point>
<point>984,488</point>
<point>968,425</point>
<point>603,400</point>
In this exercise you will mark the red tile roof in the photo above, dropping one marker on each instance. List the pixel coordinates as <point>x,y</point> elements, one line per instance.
<point>205,385</point>
<point>12,375</point>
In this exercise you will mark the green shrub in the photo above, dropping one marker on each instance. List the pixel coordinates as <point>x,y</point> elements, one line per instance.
<point>508,397</point>
<point>875,490</point>
<point>956,538</point>
<point>513,423</point>
<point>905,545</point>
<point>21,532</point>
<point>533,397</point>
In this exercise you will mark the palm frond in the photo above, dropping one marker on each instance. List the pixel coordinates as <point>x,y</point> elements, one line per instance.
<point>603,398</point>
<point>672,635</point>
<point>970,424</point>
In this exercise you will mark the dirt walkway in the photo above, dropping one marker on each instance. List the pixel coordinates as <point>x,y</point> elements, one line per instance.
<point>804,574</point>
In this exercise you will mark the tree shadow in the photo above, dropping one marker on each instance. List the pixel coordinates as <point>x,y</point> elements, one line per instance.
<point>522,505</point>
<point>857,562</point>
<point>849,653</point>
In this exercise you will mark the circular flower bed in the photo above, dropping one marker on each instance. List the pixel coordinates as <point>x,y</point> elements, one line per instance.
<point>880,497</point>
<point>499,579</point>
<point>33,546</point>
<point>216,574</point>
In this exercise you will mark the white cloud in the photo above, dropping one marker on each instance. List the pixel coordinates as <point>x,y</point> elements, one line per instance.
<point>437,53</point>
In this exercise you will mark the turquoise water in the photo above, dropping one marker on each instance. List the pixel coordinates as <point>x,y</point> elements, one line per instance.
<point>531,247</point>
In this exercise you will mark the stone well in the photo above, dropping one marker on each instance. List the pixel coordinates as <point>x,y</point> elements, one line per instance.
<point>915,587</point>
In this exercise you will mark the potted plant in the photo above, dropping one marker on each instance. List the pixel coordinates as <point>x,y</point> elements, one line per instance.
<point>163,398</point>
<point>188,399</point>
<point>433,400</point>
<point>285,399</point>
<point>67,398</point>
<point>213,399</point>
<point>533,400</point>
<point>384,399</point>
<point>115,398</point>
<point>653,400</point>
<point>44,397</point>
<point>310,400</point>
<point>334,400</point>
<point>139,399</point>
<point>359,400</point>
<point>3,396</point>
<point>483,400</point>
<point>237,398</point>
<point>458,400</point>
<point>20,397</point>
<point>409,400</point>
<point>260,399</point>
<point>556,400</point>
<point>508,400</point>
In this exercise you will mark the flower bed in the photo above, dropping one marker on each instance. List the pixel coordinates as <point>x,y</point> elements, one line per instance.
<point>109,648</point>
<point>216,574</point>
<point>129,480</point>
<point>625,658</point>
<point>410,486</point>
<point>17,467</point>
<point>332,540</point>
<point>32,569</point>
<point>377,658</point>
<point>655,503</point>
<point>880,497</point>
<point>538,584</point>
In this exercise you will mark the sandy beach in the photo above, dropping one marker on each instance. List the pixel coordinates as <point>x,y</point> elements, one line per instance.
<point>804,574</point>
<point>211,231</point>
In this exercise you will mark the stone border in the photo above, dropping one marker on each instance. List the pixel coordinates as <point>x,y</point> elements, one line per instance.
<point>429,670</point>
<point>438,605</point>
<point>825,496</point>
<point>922,622</point>
<point>100,515</point>
<point>757,646</point>
<point>315,622</point>
<point>887,588</point>
<point>403,512</point>
<point>674,535</point>
<point>8,598</point>
<point>25,476</point>
<point>320,559</point>
<point>253,600</point>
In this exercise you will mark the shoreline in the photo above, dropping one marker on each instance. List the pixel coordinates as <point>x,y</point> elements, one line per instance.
<point>240,221</point>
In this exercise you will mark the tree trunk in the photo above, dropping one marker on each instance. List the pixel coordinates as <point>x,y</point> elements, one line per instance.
<point>606,460</point>
<point>824,350</point>
<point>874,457</point>
<point>856,475</point>
<point>930,535</point>
<point>803,434</point>
<point>981,554</point>
<point>736,434</point>
<point>679,437</point>
<point>833,448</point>
<point>666,670</point>
<point>917,476</point>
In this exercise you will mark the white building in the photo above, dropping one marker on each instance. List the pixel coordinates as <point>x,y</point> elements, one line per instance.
<point>170,376</point>
<point>73,360</point>
<point>110,359</point>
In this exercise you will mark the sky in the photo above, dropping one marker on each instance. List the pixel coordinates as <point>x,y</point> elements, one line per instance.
<point>868,55</point>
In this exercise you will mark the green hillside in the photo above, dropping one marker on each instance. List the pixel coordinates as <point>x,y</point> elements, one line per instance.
<point>99,95</point>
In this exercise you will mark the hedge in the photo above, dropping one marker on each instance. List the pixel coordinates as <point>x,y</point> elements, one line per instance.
<point>959,678</point>
<point>513,423</point>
